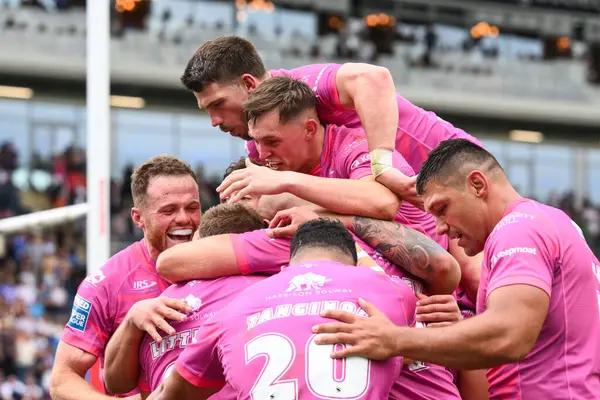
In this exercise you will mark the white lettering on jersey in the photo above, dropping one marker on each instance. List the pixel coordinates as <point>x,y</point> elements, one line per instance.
<point>510,252</point>
<point>302,309</point>
<point>168,343</point>
<point>80,313</point>
<point>512,218</point>
<point>145,284</point>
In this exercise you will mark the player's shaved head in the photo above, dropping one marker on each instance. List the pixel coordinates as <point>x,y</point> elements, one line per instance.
<point>451,162</point>
<point>325,236</point>
<point>229,218</point>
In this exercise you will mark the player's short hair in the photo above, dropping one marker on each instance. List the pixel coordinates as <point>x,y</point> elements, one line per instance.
<point>222,60</point>
<point>162,165</point>
<point>289,97</point>
<point>446,162</point>
<point>326,234</point>
<point>235,166</point>
<point>229,218</point>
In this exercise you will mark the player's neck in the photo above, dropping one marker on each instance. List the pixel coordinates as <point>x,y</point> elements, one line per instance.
<point>152,252</point>
<point>314,158</point>
<point>320,255</point>
<point>506,196</point>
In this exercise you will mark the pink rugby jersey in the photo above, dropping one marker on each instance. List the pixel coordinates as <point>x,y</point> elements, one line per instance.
<point>418,132</point>
<point>104,297</point>
<point>538,245</point>
<point>346,155</point>
<point>265,348</point>
<point>206,298</point>
<point>256,253</point>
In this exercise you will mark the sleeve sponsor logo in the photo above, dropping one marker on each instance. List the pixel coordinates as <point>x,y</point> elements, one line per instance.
<point>95,278</point>
<point>510,252</point>
<point>80,313</point>
<point>361,160</point>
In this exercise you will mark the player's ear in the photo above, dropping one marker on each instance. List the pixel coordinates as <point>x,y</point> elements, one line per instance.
<point>311,128</point>
<point>249,82</point>
<point>136,217</point>
<point>478,183</point>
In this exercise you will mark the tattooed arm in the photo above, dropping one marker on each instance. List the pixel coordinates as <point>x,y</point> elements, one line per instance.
<point>411,250</point>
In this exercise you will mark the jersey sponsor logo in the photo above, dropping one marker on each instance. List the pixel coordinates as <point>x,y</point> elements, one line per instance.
<point>179,339</point>
<point>308,281</point>
<point>511,251</point>
<point>145,284</point>
<point>80,313</point>
<point>512,218</point>
<point>194,302</point>
<point>302,309</point>
<point>596,269</point>
<point>363,159</point>
<point>95,278</point>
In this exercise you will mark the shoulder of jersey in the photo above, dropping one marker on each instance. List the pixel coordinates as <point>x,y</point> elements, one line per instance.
<point>117,267</point>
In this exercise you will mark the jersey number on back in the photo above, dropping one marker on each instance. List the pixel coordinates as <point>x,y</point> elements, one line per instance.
<point>325,377</point>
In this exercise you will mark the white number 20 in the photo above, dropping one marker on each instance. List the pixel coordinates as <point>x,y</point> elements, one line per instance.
<point>326,378</point>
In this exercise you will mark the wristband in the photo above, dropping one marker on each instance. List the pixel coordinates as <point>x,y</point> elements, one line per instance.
<point>381,161</point>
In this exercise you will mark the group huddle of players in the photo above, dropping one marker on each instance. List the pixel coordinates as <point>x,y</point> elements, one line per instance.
<point>365,249</point>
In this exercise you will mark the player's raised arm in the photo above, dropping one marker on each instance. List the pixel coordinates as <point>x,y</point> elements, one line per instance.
<point>370,90</point>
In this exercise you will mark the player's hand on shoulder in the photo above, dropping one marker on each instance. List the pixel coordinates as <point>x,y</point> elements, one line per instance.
<point>438,311</point>
<point>253,180</point>
<point>373,337</point>
<point>151,315</point>
<point>403,186</point>
<point>286,222</point>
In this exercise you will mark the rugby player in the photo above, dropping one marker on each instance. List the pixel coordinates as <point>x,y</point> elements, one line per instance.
<point>537,327</point>
<point>326,165</point>
<point>262,345</point>
<point>224,71</point>
<point>158,352</point>
<point>167,209</point>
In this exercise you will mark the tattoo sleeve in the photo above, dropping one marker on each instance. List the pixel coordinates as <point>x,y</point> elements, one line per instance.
<point>403,246</point>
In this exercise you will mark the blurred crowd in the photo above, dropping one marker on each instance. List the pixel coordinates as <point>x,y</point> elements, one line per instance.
<point>41,270</point>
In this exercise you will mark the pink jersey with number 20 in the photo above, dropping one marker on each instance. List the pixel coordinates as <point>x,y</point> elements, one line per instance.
<point>264,343</point>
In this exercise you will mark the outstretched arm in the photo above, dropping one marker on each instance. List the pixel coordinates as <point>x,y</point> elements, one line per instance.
<point>411,250</point>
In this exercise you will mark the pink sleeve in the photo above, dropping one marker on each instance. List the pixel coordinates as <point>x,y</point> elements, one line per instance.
<point>256,252</point>
<point>322,80</point>
<point>252,151</point>
<point>199,362</point>
<point>355,161</point>
<point>89,326</point>
<point>519,254</point>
